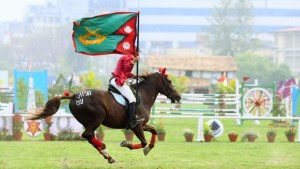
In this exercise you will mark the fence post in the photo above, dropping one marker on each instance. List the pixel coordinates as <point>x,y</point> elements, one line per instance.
<point>200,129</point>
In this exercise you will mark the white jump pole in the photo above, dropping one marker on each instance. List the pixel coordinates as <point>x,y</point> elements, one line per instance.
<point>200,129</point>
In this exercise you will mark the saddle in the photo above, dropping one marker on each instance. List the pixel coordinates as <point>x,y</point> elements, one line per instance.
<point>120,98</point>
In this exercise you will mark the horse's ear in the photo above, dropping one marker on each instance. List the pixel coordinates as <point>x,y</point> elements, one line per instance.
<point>163,71</point>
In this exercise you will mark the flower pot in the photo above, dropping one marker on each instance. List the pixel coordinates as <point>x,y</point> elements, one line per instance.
<point>100,136</point>
<point>208,137</point>
<point>189,138</point>
<point>161,136</point>
<point>232,137</point>
<point>17,118</point>
<point>251,138</point>
<point>177,106</point>
<point>271,138</point>
<point>47,136</point>
<point>291,138</point>
<point>18,136</point>
<point>129,136</point>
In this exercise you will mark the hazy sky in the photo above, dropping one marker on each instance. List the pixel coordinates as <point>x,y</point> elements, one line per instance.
<point>14,9</point>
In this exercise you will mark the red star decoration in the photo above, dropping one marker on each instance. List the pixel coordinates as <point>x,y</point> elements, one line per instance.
<point>33,127</point>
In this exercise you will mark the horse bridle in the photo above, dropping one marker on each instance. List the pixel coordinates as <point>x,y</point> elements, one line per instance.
<point>169,89</point>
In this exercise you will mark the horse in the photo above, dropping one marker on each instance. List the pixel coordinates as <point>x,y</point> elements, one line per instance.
<point>93,107</point>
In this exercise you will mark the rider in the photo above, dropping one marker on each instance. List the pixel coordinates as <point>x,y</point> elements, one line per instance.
<point>121,73</point>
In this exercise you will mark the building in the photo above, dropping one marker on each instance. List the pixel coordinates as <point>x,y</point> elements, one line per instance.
<point>163,24</point>
<point>201,71</point>
<point>287,44</point>
<point>175,24</point>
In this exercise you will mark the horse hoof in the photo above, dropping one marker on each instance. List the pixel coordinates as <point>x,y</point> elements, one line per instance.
<point>112,160</point>
<point>146,150</point>
<point>124,144</point>
<point>105,154</point>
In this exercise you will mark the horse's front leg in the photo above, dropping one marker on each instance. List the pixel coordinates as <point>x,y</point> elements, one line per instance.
<point>138,131</point>
<point>153,138</point>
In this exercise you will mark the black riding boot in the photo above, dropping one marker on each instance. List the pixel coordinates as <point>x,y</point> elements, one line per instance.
<point>132,115</point>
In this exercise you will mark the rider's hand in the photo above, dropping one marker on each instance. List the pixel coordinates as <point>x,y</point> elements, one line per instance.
<point>135,59</point>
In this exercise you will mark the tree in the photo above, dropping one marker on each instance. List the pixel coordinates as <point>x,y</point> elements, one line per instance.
<point>179,82</point>
<point>258,67</point>
<point>89,80</point>
<point>231,27</point>
<point>40,99</point>
<point>221,88</point>
<point>22,94</point>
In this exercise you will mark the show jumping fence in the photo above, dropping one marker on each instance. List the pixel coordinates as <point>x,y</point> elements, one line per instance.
<point>200,104</point>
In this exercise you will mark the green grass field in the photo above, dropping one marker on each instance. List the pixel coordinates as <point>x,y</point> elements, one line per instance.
<point>173,153</point>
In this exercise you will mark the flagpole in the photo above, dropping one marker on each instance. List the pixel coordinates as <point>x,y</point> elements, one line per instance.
<point>138,54</point>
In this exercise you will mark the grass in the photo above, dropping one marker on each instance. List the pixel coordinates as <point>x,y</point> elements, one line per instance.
<point>174,153</point>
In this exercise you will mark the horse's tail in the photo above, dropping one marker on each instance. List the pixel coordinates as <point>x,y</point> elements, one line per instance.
<point>51,107</point>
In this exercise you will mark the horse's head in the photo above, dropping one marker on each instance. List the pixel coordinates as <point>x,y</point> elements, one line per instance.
<point>164,85</point>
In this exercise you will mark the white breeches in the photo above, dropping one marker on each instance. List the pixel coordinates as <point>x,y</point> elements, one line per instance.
<point>124,90</point>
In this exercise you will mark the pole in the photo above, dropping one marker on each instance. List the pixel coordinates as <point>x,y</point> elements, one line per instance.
<point>138,50</point>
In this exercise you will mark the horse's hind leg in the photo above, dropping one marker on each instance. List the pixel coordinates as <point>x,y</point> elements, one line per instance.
<point>98,144</point>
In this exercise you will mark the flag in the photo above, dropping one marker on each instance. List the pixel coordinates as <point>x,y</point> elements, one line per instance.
<point>287,87</point>
<point>113,33</point>
<point>223,79</point>
<point>245,78</point>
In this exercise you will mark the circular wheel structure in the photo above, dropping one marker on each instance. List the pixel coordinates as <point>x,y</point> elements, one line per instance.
<point>257,102</point>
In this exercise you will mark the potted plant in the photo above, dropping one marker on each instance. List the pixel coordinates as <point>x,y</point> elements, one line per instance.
<point>128,134</point>
<point>161,132</point>
<point>271,135</point>
<point>100,133</point>
<point>67,134</point>
<point>189,135</point>
<point>279,110</point>
<point>18,118</point>
<point>208,134</point>
<point>290,134</point>
<point>250,136</point>
<point>4,135</point>
<point>232,136</point>
<point>48,136</point>
<point>17,127</point>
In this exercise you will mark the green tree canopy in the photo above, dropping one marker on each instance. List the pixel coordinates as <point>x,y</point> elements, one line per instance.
<point>89,80</point>
<point>231,27</point>
<point>258,67</point>
<point>179,82</point>
<point>22,94</point>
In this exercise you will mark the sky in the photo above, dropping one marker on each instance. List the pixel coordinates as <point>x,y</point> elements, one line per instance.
<point>13,10</point>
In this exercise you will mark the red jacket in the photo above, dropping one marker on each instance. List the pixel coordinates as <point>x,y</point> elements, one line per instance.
<point>123,69</point>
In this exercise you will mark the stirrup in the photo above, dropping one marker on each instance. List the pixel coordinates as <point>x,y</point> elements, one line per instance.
<point>134,123</point>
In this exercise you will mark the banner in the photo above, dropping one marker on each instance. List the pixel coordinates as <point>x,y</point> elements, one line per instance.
<point>113,33</point>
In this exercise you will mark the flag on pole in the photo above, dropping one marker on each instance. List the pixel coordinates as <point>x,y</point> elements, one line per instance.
<point>245,78</point>
<point>223,79</point>
<point>113,33</point>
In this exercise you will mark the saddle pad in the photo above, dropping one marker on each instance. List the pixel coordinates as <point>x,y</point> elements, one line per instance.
<point>119,98</point>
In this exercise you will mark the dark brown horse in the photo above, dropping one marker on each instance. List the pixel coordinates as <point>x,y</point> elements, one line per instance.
<point>95,107</point>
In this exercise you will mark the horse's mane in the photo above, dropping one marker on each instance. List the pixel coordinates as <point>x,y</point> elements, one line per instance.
<point>142,77</point>
<point>145,75</point>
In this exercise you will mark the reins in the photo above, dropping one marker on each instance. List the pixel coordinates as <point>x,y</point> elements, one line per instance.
<point>169,89</point>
